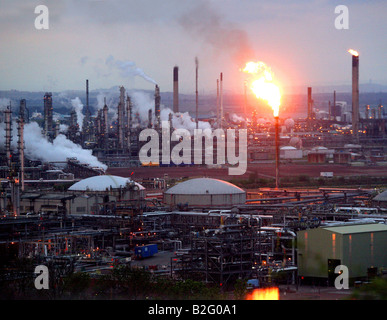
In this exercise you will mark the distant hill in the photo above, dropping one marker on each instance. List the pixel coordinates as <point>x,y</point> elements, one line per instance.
<point>292,104</point>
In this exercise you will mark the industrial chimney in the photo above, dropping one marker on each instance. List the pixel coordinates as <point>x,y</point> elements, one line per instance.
<point>87,127</point>
<point>355,94</point>
<point>128,126</point>
<point>196,91</point>
<point>20,147</point>
<point>217,104</point>
<point>150,125</point>
<point>221,100</point>
<point>310,104</point>
<point>87,94</point>
<point>48,114</point>
<point>8,133</point>
<point>128,114</point>
<point>22,110</point>
<point>120,118</point>
<point>157,107</point>
<point>105,126</point>
<point>176,89</point>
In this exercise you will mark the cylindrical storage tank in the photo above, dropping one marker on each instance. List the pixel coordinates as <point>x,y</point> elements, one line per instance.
<point>205,192</point>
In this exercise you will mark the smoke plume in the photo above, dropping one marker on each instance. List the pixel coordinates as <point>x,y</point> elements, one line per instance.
<point>182,120</point>
<point>142,102</point>
<point>127,69</point>
<point>205,23</point>
<point>37,147</point>
<point>78,107</point>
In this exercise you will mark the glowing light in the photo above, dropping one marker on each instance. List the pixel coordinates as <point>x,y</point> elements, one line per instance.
<point>264,294</point>
<point>353,52</point>
<point>262,84</point>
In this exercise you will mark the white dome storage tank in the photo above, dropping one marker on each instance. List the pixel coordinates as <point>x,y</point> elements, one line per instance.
<point>93,194</point>
<point>104,183</point>
<point>205,192</point>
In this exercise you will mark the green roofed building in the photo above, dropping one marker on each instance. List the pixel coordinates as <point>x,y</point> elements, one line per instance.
<point>360,247</point>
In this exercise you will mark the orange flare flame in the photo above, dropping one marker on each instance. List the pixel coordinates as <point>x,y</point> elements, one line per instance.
<point>263,86</point>
<point>264,294</point>
<point>353,52</point>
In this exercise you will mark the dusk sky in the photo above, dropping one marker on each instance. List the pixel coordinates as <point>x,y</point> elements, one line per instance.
<point>110,42</point>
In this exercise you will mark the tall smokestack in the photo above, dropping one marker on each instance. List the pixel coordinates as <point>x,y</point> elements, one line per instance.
<point>120,118</point>
<point>98,121</point>
<point>170,120</point>
<point>277,153</point>
<point>22,110</point>
<point>48,114</point>
<point>128,119</point>
<point>157,107</point>
<point>310,104</point>
<point>176,89</point>
<point>105,126</point>
<point>221,100</point>
<point>87,94</point>
<point>21,150</point>
<point>197,94</point>
<point>217,104</point>
<point>150,118</point>
<point>129,108</point>
<point>8,133</point>
<point>87,127</point>
<point>355,94</point>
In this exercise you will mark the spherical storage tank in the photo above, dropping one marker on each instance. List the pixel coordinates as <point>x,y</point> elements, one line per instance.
<point>205,192</point>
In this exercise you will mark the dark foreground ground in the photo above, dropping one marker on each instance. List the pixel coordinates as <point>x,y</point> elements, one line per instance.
<point>313,293</point>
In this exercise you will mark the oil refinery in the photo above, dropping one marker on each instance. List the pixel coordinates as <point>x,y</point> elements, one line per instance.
<point>75,194</point>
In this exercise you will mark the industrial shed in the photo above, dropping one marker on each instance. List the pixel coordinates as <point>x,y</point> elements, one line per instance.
<point>381,199</point>
<point>360,247</point>
<point>289,152</point>
<point>205,192</point>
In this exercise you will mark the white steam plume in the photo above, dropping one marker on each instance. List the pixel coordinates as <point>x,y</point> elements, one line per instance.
<point>78,107</point>
<point>182,120</point>
<point>127,69</point>
<point>142,102</point>
<point>235,118</point>
<point>37,147</point>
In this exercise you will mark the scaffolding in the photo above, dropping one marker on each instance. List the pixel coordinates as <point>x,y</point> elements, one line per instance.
<point>225,254</point>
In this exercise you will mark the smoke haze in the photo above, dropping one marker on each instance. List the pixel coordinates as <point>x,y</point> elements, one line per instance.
<point>127,69</point>
<point>205,23</point>
<point>37,147</point>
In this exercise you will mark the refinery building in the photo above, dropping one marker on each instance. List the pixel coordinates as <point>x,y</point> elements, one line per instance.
<point>213,229</point>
